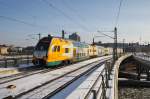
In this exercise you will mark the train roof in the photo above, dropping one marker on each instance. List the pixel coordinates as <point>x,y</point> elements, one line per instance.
<point>75,43</point>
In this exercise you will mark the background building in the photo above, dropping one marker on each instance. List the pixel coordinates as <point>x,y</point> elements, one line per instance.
<point>3,49</point>
<point>74,37</point>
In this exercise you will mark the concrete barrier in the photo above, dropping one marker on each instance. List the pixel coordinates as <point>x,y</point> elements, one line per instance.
<point>115,76</point>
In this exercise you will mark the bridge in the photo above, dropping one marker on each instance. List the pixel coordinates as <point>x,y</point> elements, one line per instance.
<point>96,78</point>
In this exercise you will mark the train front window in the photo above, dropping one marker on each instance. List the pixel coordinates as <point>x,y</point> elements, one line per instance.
<point>43,44</point>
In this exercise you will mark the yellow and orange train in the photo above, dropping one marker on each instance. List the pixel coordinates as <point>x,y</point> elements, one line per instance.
<point>52,51</point>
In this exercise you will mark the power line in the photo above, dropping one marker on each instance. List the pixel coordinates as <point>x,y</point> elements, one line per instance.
<point>64,14</point>
<point>20,21</point>
<point>118,13</point>
<point>73,10</point>
<point>22,10</point>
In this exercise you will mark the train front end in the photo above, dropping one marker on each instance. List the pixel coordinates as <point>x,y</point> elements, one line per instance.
<point>41,51</point>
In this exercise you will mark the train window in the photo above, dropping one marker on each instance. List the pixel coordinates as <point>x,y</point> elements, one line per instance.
<point>43,44</point>
<point>54,49</point>
<point>66,50</point>
<point>58,48</point>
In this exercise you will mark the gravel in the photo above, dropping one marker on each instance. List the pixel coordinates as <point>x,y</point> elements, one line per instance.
<point>134,93</point>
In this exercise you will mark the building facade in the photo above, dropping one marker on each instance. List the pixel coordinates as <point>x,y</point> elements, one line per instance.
<point>74,37</point>
<point>3,49</point>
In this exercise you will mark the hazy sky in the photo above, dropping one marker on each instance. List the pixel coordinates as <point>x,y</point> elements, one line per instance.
<point>21,20</point>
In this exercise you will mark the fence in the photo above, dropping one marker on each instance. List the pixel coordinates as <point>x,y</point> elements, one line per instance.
<point>15,61</point>
<point>145,57</point>
<point>104,77</point>
<point>108,87</point>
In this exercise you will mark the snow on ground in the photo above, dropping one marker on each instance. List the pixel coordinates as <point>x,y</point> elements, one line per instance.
<point>110,91</point>
<point>79,88</point>
<point>43,91</point>
<point>29,82</point>
<point>18,67</point>
<point>13,70</point>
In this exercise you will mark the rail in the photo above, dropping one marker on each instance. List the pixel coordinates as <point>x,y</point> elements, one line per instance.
<point>64,75</point>
<point>84,69</point>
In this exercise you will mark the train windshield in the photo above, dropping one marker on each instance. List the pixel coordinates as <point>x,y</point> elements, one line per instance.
<point>43,44</point>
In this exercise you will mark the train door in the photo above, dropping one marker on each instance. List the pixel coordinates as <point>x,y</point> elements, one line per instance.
<point>53,54</point>
<point>74,52</point>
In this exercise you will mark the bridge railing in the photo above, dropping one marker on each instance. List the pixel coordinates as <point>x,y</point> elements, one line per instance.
<point>115,71</point>
<point>108,88</point>
<point>101,83</point>
<point>144,56</point>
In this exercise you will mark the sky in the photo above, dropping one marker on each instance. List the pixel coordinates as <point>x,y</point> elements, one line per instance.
<point>22,20</point>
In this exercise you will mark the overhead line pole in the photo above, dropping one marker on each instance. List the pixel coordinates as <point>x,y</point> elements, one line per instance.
<point>39,35</point>
<point>63,34</point>
<point>123,46</point>
<point>115,57</point>
<point>94,38</point>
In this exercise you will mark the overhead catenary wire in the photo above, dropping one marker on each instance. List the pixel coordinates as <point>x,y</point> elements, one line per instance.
<point>65,15</point>
<point>20,21</point>
<point>73,10</point>
<point>118,13</point>
<point>34,17</point>
<point>66,4</point>
<point>14,9</point>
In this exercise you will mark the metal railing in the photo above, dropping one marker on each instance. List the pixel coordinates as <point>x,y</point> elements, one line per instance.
<point>110,74</point>
<point>145,57</point>
<point>104,77</point>
<point>15,61</point>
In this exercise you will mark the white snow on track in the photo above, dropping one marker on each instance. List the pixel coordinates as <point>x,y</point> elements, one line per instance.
<point>29,82</point>
<point>80,88</point>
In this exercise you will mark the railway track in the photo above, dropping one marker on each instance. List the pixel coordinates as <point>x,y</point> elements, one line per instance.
<point>97,90</point>
<point>89,86</point>
<point>21,75</point>
<point>71,77</point>
<point>28,72</point>
<point>22,88</point>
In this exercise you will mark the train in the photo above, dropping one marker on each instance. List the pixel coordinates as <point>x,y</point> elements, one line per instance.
<point>52,51</point>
